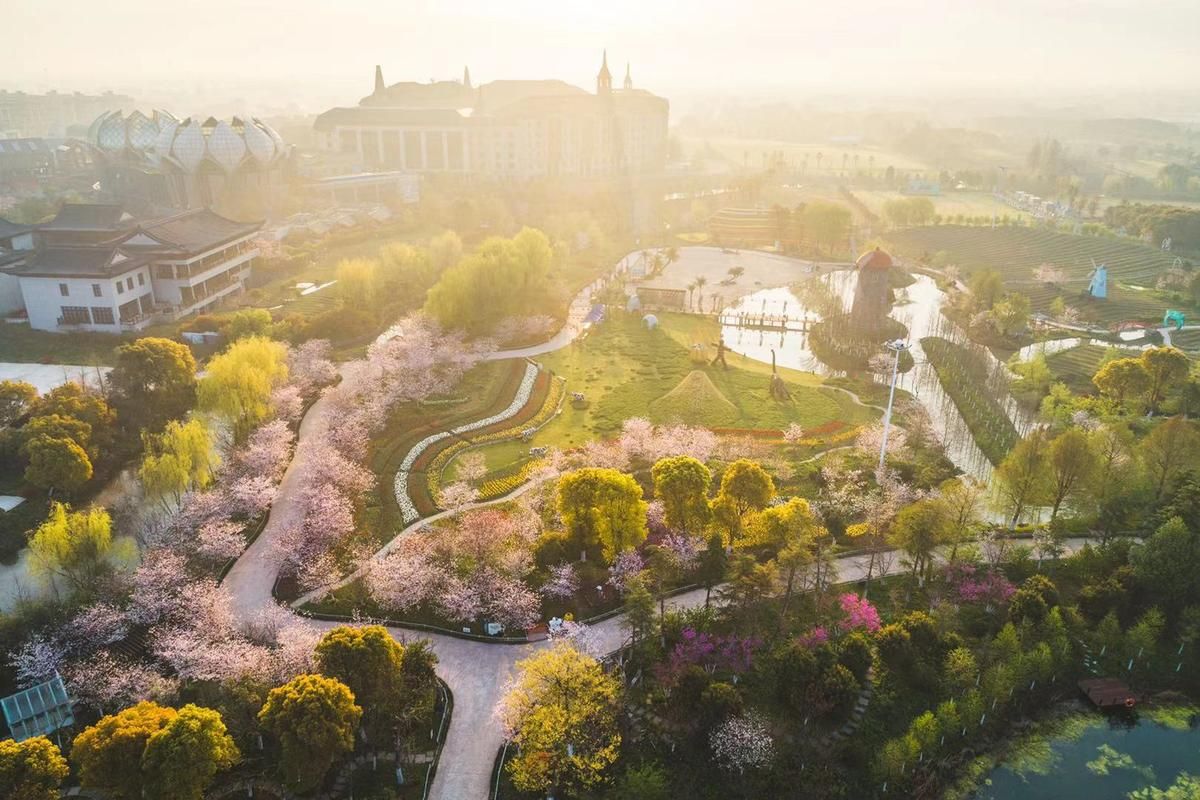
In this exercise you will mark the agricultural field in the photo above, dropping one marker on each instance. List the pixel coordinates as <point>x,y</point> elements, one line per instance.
<point>1124,304</point>
<point>1015,252</point>
<point>750,152</point>
<point>1075,367</point>
<point>967,204</point>
<point>1188,341</point>
<point>625,370</point>
<point>1107,201</point>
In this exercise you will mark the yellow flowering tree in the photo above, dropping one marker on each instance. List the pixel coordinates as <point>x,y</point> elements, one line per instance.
<point>561,712</point>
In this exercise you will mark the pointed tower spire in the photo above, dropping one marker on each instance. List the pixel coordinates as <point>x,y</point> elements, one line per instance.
<point>604,78</point>
<point>467,77</point>
<point>628,78</point>
<point>379,85</point>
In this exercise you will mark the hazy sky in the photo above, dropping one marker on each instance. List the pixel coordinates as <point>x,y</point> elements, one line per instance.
<point>319,51</point>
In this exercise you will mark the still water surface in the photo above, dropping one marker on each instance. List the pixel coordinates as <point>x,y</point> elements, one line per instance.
<point>1099,759</point>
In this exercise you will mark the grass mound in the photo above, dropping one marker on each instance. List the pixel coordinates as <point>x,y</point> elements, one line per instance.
<point>695,400</point>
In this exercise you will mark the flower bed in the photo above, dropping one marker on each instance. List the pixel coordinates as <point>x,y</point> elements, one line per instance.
<point>546,411</point>
<point>408,511</point>
<point>845,436</point>
<point>498,487</point>
<point>833,426</point>
<point>815,437</point>
<point>755,433</point>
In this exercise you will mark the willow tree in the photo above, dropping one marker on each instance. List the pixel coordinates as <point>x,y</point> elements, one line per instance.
<point>74,546</point>
<point>238,383</point>
<point>180,459</point>
<point>1166,368</point>
<point>503,277</point>
<point>1071,460</point>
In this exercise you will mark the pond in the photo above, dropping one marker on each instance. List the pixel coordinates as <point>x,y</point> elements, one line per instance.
<point>917,307</point>
<point>1090,757</point>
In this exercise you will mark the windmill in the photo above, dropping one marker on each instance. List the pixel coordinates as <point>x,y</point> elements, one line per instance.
<point>1098,281</point>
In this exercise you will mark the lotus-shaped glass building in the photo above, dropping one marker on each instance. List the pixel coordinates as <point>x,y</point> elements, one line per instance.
<point>160,160</point>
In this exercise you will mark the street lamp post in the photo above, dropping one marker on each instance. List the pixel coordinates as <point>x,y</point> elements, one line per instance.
<point>897,346</point>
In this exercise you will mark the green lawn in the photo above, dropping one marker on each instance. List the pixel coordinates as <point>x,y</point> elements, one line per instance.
<point>24,345</point>
<point>625,370</point>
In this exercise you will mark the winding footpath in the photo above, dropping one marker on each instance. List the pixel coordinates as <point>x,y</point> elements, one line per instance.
<point>475,671</point>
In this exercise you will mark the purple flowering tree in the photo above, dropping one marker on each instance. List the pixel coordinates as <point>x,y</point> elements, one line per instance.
<point>727,654</point>
<point>859,614</point>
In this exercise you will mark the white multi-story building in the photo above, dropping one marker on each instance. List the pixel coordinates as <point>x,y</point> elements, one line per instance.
<point>93,268</point>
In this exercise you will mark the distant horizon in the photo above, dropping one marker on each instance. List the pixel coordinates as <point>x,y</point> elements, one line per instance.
<point>275,54</point>
<point>263,97</point>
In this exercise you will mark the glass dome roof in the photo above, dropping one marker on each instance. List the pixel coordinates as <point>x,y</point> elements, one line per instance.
<point>189,144</point>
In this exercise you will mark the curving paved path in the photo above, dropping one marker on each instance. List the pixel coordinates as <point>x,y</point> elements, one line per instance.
<point>476,672</point>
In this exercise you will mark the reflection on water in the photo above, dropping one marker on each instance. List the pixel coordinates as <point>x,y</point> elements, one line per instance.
<point>917,307</point>
<point>1096,759</point>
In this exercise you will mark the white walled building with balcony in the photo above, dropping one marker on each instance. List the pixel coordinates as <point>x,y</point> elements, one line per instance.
<point>96,270</point>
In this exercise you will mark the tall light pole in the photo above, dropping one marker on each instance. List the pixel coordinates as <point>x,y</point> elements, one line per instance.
<point>897,346</point>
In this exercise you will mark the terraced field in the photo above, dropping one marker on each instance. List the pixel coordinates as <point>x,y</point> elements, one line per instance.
<point>1188,341</point>
<point>1016,252</point>
<point>970,204</point>
<point>1075,367</point>
<point>1124,303</point>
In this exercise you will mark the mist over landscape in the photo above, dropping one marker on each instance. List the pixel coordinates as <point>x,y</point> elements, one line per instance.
<point>622,401</point>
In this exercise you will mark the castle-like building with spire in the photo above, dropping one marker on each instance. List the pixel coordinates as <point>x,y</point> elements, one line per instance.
<point>526,129</point>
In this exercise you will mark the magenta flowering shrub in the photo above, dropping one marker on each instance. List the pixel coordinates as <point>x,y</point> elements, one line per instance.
<point>860,614</point>
<point>814,638</point>
<point>733,654</point>
<point>968,584</point>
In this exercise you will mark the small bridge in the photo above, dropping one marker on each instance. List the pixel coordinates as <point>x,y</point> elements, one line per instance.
<point>765,322</point>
